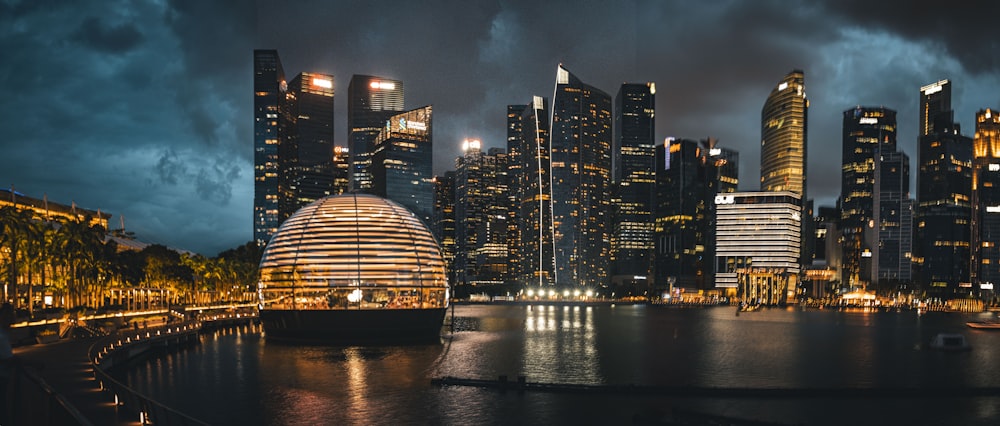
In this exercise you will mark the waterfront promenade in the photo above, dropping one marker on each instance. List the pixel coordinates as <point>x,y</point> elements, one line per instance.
<point>66,367</point>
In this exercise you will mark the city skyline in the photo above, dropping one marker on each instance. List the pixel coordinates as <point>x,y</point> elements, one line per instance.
<point>143,110</point>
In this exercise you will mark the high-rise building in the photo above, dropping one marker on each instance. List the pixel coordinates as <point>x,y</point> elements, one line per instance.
<point>401,165</point>
<point>515,157</point>
<point>868,132</point>
<point>944,190</point>
<point>784,143</point>
<point>306,154</point>
<point>341,170</point>
<point>269,88</point>
<point>889,237</point>
<point>634,174</point>
<point>581,174</point>
<point>370,102</point>
<point>481,199</point>
<point>444,220</point>
<point>689,176</point>
<point>757,245</point>
<point>935,100</point>
<point>783,133</point>
<point>986,200</point>
<point>530,182</point>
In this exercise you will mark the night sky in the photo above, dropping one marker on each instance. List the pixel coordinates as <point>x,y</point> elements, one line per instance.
<point>144,109</point>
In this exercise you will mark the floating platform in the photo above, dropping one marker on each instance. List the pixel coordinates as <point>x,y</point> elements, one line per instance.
<point>354,326</point>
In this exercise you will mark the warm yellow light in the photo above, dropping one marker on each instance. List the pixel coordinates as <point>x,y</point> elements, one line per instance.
<point>322,82</point>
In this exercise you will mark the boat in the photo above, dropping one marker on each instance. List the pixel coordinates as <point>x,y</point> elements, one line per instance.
<point>950,342</point>
<point>985,324</point>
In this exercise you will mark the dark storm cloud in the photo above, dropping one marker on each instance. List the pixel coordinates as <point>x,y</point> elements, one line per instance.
<point>107,38</point>
<point>151,119</point>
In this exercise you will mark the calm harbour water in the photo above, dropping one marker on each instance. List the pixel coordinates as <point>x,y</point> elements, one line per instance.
<point>239,377</point>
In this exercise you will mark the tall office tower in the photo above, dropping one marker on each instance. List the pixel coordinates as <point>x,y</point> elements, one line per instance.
<point>269,89</point>
<point>634,183</point>
<point>581,175</point>
<point>370,102</point>
<point>868,132</point>
<point>481,216</point>
<point>689,177</point>
<point>986,200</point>
<point>307,154</point>
<point>826,265</point>
<point>530,183</point>
<point>515,136</point>
<point>784,142</point>
<point>341,170</point>
<point>935,100</point>
<point>401,165</point>
<point>443,225</point>
<point>783,127</point>
<point>889,236</point>
<point>757,239</point>
<point>941,253</point>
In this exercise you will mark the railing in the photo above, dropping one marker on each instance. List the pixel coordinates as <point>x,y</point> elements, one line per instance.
<point>149,410</point>
<point>33,402</point>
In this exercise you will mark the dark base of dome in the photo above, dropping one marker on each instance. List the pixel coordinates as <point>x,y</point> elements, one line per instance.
<point>364,326</point>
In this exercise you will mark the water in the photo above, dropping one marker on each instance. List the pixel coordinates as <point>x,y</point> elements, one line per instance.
<point>239,377</point>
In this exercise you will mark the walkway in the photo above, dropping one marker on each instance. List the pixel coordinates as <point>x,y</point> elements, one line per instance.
<point>66,368</point>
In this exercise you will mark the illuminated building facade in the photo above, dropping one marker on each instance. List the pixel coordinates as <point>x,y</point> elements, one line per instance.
<point>944,185</point>
<point>986,200</point>
<point>306,154</point>
<point>481,198</point>
<point>783,136</point>
<point>515,156</point>
<point>45,210</point>
<point>401,164</point>
<point>890,239</point>
<point>784,143</point>
<point>370,102</point>
<point>689,176</point>
<point>443,225</point>
<point>757,245</point>
<point>581,174</point>
<point>269,110</point>
<point>868,132</point>
<point>530,182</point>
<point>634,174</point>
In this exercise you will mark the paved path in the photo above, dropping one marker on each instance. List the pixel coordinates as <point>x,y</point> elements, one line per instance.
<point>67,369</point>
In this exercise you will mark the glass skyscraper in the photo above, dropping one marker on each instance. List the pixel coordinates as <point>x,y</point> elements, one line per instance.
<point>529,166</point>
<point>986,200</point>
<point>868,132</point>
<point>783,136</point>
<point>307,153</point>
<point>891,239</point>
<point>581,175</point>
<point>269,88</point>
<point>401,165</point>
<point>481,199</point>
<point>634,181</point>
<point>370,102</point>
<point>944,190</point>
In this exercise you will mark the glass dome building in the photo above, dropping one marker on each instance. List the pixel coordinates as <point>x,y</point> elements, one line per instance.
<point>353,267</point>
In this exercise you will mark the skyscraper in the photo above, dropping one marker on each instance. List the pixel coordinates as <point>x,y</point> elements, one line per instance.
<point>890,236</point>
<point>581,172</point>
<point>634,175</point>
<point>530,186</point>
<point>401,165</point>
<point>515,157</point>
<point>481,201</point>
<point>307,153</point>
<point>444,220</point>
<point>986,200</point>
<point>689,176</point>
<point>944,190</point>
<point>370,102</point>
<point>269,109</point>
<point>783,132</point>
<point>868,132</point>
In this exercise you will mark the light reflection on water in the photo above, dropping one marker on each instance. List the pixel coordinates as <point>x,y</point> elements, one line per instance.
<point>263,382</point>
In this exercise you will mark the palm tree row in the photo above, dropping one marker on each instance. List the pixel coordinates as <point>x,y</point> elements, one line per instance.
<point>77,264</point>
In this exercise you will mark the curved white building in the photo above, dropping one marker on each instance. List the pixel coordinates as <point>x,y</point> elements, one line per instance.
<point>353,267</point>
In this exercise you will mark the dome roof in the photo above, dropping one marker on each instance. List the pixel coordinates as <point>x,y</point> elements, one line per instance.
<point>352,241</point>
